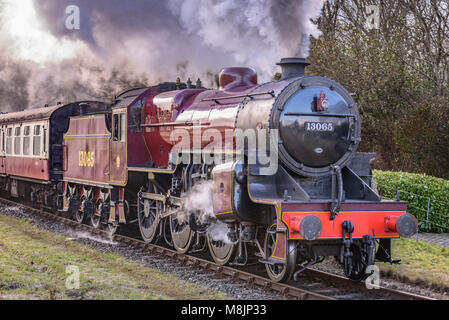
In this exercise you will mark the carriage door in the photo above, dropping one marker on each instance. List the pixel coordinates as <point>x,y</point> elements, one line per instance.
<point>118,148</point>
<point>2,149</point>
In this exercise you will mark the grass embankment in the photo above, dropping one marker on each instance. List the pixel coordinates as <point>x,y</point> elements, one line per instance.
<point>33,266</point>
<point>422,263</point>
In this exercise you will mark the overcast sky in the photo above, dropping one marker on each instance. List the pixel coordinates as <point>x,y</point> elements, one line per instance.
<point>48,44</point>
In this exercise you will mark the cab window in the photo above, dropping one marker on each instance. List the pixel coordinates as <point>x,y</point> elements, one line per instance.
<point>122,127</point>
<point>119,127</point>
<point>116,127</point>
<point>135,116</point>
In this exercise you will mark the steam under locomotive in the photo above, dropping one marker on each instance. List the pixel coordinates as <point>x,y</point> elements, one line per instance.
<point>134,162</point>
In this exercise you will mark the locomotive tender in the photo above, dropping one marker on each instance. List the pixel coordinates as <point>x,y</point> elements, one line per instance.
<point>135,161</point>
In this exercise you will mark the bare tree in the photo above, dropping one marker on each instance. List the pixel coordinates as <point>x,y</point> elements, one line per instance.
<point>395,55</point>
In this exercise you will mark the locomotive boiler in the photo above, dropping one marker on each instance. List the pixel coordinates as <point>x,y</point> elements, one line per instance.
<point>278,160</point>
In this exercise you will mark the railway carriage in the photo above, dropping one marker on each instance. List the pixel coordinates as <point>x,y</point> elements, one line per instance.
<point>31,151</point>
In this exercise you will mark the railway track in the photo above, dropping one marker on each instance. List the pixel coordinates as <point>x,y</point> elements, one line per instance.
<point>314,284</point>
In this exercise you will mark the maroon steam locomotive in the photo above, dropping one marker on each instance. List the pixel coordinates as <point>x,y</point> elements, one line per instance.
<point>135,161</point>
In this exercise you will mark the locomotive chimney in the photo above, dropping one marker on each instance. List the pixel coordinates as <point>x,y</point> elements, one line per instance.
<point>293,67</point>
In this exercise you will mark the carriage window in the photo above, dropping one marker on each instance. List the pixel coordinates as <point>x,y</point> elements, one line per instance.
<point>17,141</point>
<point>45,140</point>
<point>2,142</point>
<point>37,141</point>
<point>26,141</point>
<point>9,141</point>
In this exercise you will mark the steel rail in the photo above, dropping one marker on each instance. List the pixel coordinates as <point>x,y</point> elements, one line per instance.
<point>235,274</point>
<point>389,293</point>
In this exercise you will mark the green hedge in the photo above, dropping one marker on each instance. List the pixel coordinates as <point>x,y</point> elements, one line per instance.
<point>417,189</point>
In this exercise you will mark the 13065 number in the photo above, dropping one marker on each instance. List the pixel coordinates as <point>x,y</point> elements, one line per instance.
<point>320,126</point>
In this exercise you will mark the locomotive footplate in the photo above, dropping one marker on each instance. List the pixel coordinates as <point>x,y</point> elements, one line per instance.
<point>387,219</point>
<point>350,237</point>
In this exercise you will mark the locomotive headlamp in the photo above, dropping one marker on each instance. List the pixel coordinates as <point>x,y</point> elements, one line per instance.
<point>309,227</point>
<point>406,225</point>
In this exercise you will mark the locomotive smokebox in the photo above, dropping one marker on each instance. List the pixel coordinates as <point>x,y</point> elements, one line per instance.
<point>293,67</point>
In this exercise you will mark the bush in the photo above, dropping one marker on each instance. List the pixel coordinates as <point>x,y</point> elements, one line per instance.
<point>417,189</point>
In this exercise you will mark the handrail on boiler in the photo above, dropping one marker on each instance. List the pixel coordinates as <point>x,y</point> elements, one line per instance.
<point>250,95</point>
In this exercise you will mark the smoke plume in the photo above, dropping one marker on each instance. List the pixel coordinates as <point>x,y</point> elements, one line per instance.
<point>122,44</point>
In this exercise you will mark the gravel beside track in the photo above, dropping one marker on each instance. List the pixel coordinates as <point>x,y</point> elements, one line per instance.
<point>331,266</point>
<point>234,289</point>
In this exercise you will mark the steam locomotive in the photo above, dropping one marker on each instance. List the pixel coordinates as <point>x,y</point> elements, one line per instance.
<point>134,162</point>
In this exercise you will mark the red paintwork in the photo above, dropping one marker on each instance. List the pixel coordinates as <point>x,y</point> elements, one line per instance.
<point>154,114</point>
<point>231,78</point>
<point>322,103</point>
<point>191,114</point>
<point>136,145</point>
<point>2,165</point>
<point>390,223</point>
<point>32,168</point>
<point>118,158</point>
<point>87,145</point>
<point>186,111</point>
<point>367,217</point>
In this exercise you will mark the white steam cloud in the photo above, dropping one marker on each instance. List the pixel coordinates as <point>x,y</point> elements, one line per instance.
<point>254,32</point>
<point>123,44</point>
<point>199,202</point>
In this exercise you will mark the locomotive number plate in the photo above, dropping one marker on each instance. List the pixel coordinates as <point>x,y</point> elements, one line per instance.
<point>320,126</point>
